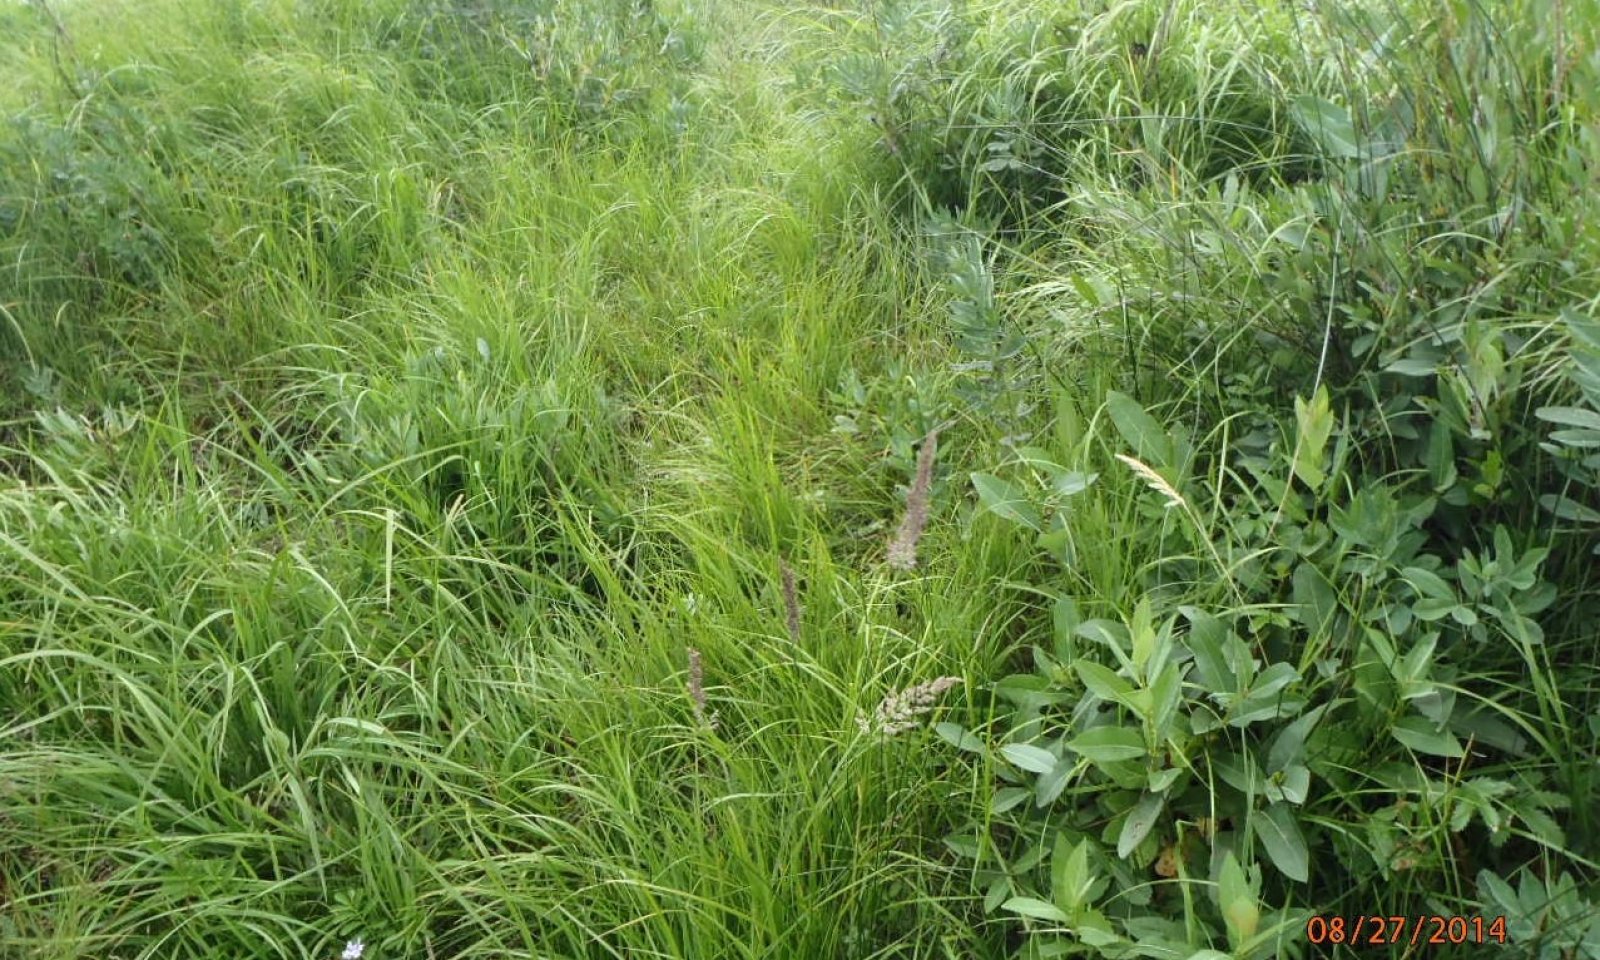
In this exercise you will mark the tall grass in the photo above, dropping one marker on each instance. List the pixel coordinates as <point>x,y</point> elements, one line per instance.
<point>405,390</point>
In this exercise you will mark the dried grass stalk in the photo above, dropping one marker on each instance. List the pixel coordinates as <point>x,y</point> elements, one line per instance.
<point>791,601</point>
<point>903,548</point>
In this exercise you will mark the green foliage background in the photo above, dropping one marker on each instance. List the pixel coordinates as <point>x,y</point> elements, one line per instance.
<point>397,392</point>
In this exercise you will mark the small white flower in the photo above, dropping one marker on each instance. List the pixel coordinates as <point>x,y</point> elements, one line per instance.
<point>353,950</point>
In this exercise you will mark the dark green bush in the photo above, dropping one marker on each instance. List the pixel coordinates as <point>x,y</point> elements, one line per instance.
<point>1359,662</point>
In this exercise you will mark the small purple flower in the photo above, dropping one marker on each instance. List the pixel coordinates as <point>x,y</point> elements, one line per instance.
<point>353,950</point>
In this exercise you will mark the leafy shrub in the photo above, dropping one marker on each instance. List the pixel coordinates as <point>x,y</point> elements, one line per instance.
<point>1343,660</point>
<point>1200,745</point>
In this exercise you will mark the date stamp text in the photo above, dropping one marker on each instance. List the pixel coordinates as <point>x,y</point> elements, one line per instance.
<point>1377,931</point>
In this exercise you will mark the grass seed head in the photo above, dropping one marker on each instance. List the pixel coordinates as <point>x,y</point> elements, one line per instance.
<point>697,692</point>
<point>1156,481</point>
<point>791,601</point>
<point>899,711</point>
<point>903,548</point>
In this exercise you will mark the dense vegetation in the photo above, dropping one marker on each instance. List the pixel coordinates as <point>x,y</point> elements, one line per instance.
<point>892,479</point>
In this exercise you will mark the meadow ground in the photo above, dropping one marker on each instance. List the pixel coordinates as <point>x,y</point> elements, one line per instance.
<point>876,479</point>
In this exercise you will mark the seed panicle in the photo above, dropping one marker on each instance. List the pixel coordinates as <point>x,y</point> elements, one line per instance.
<point>791,601</point>
<point>1156,481</point>
<point>899,711</point>
<point>697,692</point>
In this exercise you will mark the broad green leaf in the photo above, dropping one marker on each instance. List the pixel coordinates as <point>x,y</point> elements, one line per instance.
<point>1050,784</point>
<point>1111,634</point>
<point>1255,709</point>
<point>1073,482</point>
<point>1030,691</point>
<point>1104,682</point>
<point>1570,416</point>
<point>1008,797</point>
<point>1429,584</point>
<point>1095,930</point>
<point>1413,368</point>
<point>1240,912</point>
<point>1037,909</point>
<point>1280,836</point>
<point>1430,609</point>
<point>1314,595</point>
<point>959,737</point>
<point>1295,784</point>
<point>1581,439</point>
<point>1059,544</point>
<point>1265,698</point>
<point>1005,500</point>
<point>1273,679</point>
<point>1070,879</point>
<point>1424,736</point>
<point>1231,881</point>
<point>1206,636</point>
<point>1060,852</point>
<point>1141,820</point>
<point>1567,508</point>
<point>1038,458</point>
<point>1289,746</point>
<point>1064,619</point>
<point>1149,441</point>
<point>1441,455</point>
<point>1414,665</point>
<point>1160,780</point>
<point>1203,719</point>
<point>963,845</point>
<point>1432,701</point>
<point>1029,757</point>
<point>1239,771</point>
<point>1109,744</point>
<point>1499,892</point>
<point>1032,857</point>
<point>1486,727</point>
<point>1142,632</point>
<point>1328,124</point>
<point>1585,330</point>
<point>1166,694</point>
<point>1315,422</point>
<point>998,891</point>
